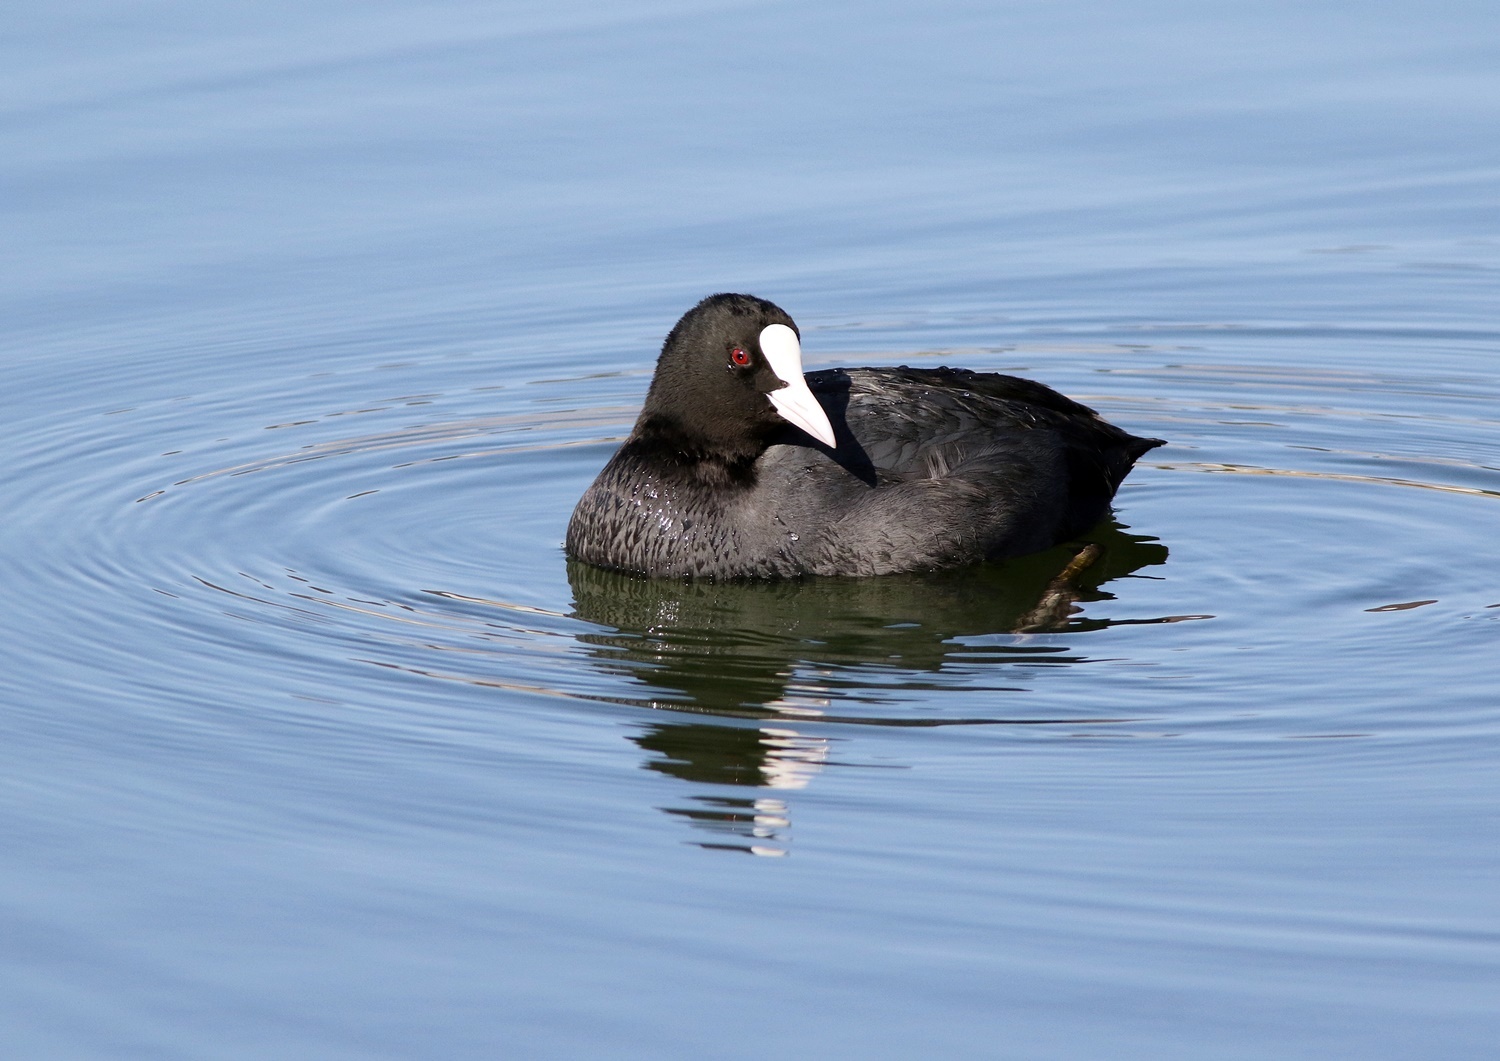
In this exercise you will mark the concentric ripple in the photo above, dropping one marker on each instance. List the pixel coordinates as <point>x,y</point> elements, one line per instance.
<point>345,541</point>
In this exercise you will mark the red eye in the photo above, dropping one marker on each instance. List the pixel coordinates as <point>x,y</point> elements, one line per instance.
<point>739,356</point>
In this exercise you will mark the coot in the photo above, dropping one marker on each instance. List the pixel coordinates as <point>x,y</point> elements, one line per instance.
<point>742,467</point>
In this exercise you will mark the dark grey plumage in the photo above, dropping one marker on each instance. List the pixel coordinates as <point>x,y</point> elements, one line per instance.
<point>933,468</point>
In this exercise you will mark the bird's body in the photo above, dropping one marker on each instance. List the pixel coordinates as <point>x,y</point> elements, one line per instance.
<point>928,468</point>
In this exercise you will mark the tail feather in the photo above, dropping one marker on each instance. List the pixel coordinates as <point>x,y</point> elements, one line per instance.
<point>1139,447</point>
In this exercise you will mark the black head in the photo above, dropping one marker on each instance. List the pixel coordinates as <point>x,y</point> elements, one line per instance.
<point>730,375</point>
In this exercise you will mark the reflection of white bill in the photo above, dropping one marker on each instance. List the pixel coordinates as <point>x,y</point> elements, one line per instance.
<point>791,760</point>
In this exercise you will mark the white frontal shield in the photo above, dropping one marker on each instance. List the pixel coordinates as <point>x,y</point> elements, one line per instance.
<point>794,402</point>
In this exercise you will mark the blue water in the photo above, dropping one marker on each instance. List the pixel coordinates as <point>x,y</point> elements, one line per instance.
<point>317,318</point>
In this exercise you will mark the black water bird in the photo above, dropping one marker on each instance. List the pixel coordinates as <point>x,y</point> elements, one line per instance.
<point>742,467</point>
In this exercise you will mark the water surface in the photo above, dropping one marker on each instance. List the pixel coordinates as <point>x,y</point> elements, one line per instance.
<point>319,318</point>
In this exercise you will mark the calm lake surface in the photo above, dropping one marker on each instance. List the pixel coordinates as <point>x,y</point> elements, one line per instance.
<point>318,317</point>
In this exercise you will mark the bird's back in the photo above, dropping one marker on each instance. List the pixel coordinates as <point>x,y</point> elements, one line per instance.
<point>938,467</point>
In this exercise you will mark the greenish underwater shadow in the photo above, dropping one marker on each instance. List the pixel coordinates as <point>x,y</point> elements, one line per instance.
<point>734,648</point>
<point>764,657</point>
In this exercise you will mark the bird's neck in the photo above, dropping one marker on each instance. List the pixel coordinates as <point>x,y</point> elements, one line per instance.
<point>690,456</point>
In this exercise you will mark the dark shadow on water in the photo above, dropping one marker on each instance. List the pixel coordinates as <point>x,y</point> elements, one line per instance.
<point>769,657</point>
<point>751,649</point>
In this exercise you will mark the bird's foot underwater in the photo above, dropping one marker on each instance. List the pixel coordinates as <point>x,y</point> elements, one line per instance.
<point>1059,601</point>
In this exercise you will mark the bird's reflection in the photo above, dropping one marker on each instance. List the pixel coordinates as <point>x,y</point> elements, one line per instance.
<point>768,657</point>
<point>761,756</point>
<point>766,757</point>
